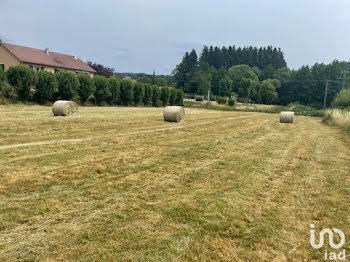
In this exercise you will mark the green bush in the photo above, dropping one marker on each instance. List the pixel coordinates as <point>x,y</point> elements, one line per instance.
<point>46,87</point>
<point>147,100</point>
<point>126,92</point>
<point>212,98</point>
<point>179,97</point>
<point>164,95</point>
<point>231,102</point>
<point>221,100</point>
<point>68,85</point>
<point>86,87</point>
<point>102,92</point>
<point>139,93</point>
<point>2,77</point>
<point>199,98</point>
<point>114,88</point>
<point>8,92</point>
<point>342,99</point>
<point>155,96</point>
<point>22,78</point>
<point>172,96</point>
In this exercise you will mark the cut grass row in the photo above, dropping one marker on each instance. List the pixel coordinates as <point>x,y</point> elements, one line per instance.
<point>221,186</point>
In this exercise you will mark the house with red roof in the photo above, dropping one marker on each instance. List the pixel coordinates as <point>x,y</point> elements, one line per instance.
<point>37,59</point>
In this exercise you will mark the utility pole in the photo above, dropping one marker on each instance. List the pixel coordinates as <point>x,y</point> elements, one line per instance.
<point>325,95</point>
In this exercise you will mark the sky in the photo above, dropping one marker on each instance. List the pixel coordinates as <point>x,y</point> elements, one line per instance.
<point>153,35</point>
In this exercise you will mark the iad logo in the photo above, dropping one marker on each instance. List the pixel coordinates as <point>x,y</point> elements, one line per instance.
<point>331,255</point>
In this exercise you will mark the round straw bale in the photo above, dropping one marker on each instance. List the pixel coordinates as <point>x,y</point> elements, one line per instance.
<point>64,108</point>
<point>173,113</point>
<point>287,117</point>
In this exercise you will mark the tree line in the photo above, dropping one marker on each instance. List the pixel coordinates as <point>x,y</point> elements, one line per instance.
<point>258,75</point>
<point>43,87</point>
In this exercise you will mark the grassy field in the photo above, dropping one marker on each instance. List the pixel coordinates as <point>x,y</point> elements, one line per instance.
<point>119,184</point>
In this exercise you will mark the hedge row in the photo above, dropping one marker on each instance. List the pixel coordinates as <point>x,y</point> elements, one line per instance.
<point>43,87</point>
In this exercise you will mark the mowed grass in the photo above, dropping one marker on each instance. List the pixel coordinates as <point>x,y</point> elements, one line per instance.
<point>119,184</point>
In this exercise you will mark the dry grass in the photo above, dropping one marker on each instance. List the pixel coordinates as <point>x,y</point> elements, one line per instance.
<point>337,117</point>
<point>120,184</point>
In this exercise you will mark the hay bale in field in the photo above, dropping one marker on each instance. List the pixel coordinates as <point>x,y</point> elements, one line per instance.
<point>173,113</point>
<point>287,117</point>
<point>64,108</point>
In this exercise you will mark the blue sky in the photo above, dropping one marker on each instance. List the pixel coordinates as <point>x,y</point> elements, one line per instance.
<point>142,36</point>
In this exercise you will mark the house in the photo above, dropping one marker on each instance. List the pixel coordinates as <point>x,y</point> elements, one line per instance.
<point>37,59</point>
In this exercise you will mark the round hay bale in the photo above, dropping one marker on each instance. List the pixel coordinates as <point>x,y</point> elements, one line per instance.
<point>64,108</point>
<point>287,117</point>
<point>173,113</point>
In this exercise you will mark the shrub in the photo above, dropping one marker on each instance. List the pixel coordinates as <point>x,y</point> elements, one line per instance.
<point>2,77</point>
<point>68,85</point>
<point>231,102</point>
<point>164,95</point>
<point>155,96</point>
<point>86,87</point>
<point>102,92</point>
<point>221,100</point>
<point>212,98</point>
<point>139,93</point>
<point>126,92</point>
<point>147,100</point>
<point>342,99</point>
<point>199,98</point>
<point>179,97</point>
<point>46,87</point>
<point>8,92</point>
<point>114,88</point>
<point>22,78</point>
<point>172,96</point>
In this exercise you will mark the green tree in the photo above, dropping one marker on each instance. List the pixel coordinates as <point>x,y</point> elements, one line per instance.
<point>126,92</point>
<point>164,95</point>
<point>187,73</point>
<point>172,96</point>
<point>342,99</point>
<point>147,100</point>
<point>155,96</point>
<point>68,85</point>
<point>225,87</point>
<point>102,91</point>
<point>146,79</point>
<point>179,97</point>
<point>86,87</point>
<point>267,92</point>
<point>114,88</point>
<point>160,81</point>
<point>238,72</point>
<point>139,93</point>
<point>22,78</point>
<point>46,87</point>
<point>246,87</point>
<point>204,83</point>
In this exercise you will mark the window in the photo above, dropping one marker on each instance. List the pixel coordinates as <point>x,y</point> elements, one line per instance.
<point>57,70</point>
<point>2,66</point>
<point>81,72</point>
<point>36,68</point>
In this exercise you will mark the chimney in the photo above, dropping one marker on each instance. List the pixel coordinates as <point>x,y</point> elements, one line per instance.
<point>47,51</point>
